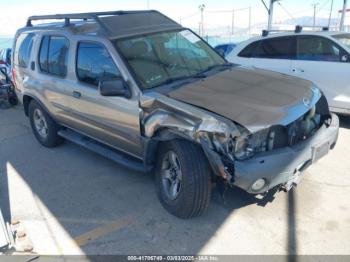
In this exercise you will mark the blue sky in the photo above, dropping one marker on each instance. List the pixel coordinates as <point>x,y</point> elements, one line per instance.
<point>15,12</point>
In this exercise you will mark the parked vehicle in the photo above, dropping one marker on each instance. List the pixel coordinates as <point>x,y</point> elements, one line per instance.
<point>5,61</point>
<point>321,57</point>
<point>121,84</point>
<point>225,49</point>
<point>8,96</point>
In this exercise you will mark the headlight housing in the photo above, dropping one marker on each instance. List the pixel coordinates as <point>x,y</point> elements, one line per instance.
<point>247,145</point>
<point>242,149</point>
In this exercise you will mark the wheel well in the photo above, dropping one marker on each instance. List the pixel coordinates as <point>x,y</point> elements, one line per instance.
<point>162,136</point>
<point>26,102</point>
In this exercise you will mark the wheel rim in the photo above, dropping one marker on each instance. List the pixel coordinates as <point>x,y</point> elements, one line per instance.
<point>40,123</point>
<point>171,175</point>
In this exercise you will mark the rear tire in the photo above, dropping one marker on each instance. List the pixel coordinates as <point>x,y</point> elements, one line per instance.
<point>44,127</point>
<point>183,188</point>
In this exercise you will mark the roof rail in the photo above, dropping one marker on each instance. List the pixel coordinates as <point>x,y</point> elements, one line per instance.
<point>323,28</point>
<point>298,29</point>
<point>83,16</point>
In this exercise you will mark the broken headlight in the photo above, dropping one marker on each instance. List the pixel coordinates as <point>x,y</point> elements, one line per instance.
<point>248,145</point>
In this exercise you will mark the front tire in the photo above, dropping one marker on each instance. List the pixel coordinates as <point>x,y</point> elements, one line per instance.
<point>44,127</point>
<point>183,179</point>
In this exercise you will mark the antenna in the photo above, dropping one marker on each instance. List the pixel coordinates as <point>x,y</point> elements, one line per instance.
<point>315,6</point>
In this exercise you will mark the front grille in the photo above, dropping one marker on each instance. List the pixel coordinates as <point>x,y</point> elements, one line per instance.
<point>302,128</point>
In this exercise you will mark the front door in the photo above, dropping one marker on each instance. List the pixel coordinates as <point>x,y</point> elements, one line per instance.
<point>325,63</point>
<point>111,120</point>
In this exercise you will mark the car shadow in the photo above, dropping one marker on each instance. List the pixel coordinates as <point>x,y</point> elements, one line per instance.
<point>344,121</point>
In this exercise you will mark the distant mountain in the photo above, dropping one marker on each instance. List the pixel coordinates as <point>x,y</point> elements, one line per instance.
<point>309,20</point>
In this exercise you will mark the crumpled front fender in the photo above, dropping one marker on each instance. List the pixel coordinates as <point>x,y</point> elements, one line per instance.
<point>210,131</point>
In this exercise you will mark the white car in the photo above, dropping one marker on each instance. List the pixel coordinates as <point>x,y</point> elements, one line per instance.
<point>321,57</point>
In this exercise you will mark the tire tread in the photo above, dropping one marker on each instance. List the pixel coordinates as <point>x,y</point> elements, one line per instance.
<point>196,167</point>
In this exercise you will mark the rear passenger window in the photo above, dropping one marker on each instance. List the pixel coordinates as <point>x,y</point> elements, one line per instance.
<point>23,49</point>
<point>95,64</point>
<point>275,48</point>
<point>53,55</point>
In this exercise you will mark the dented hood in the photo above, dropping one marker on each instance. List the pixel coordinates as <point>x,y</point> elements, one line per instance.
<point>254,98</point>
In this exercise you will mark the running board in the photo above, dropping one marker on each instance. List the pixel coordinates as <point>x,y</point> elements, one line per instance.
<point>105,151</point>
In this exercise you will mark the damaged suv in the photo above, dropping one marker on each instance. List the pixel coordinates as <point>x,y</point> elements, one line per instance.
<point>143,91</point>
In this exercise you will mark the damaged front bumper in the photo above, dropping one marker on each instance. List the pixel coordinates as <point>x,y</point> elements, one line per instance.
<point>283,166</point>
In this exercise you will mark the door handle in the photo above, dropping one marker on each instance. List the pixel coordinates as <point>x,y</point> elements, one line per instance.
<point>298,70</point>
<point>76,94</point>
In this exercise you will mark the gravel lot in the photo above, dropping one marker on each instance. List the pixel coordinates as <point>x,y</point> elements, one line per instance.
<point>72,201</point>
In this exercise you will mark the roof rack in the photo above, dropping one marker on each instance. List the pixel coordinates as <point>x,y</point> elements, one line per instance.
<point>83,16</point>
<point>298,29</point>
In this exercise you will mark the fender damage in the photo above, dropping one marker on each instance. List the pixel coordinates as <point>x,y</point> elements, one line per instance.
<point>214,133</point>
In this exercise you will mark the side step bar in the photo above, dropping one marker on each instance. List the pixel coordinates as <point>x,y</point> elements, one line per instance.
<point>104,150</point>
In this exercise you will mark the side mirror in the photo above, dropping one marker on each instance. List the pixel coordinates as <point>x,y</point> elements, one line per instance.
<point>116,87</point>
<point>344,58</point>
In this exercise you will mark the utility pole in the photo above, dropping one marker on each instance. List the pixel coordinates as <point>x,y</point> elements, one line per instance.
<point>314,21</point>
<point>201,8</point>
<point>270,12</point>
<point>343,14</point>
<point>272,2</point>
<point>148,4</point>
<point>233,22</point>
<point>330,15</point>
<point>250,20</point>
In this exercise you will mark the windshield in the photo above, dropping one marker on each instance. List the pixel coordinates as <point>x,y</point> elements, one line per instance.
<point>158,58</point>
<point>344,39</point>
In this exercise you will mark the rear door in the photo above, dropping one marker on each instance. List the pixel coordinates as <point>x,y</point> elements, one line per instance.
<point>111,120</point>
<point>51,74</point>
<point>320,60</point>
<point>274,54</point>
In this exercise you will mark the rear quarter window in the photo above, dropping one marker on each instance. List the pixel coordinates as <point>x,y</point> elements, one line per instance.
<point>23,49</point>
<point>248,51</point>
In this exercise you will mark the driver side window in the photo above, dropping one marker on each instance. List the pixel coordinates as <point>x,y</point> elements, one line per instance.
<point>315,48</point>
<point>95,64</point>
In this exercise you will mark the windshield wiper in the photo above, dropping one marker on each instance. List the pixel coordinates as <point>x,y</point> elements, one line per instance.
<point>175,79</point>
<point>224,66</point>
